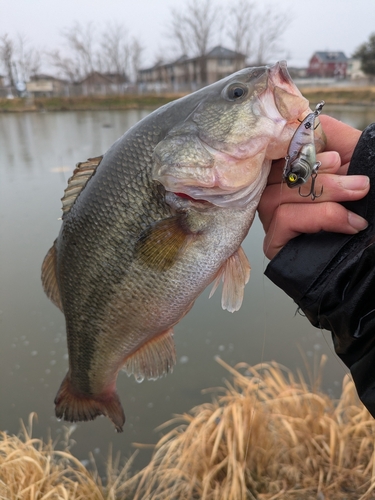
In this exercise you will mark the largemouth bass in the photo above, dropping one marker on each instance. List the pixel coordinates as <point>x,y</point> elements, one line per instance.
<point>161,215</point>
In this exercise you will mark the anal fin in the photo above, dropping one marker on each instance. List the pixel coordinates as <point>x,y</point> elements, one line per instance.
<point>153,359</point>
<point>49,277</point>
<point>235,273</point>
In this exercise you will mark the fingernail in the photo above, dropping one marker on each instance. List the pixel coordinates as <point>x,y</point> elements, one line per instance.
<point>355,182</point>
<point>359,223</point>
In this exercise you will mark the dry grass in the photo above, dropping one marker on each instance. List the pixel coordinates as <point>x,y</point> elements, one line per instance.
<point>265,436</point>
<point>341,95</point>
<point>33,470</point>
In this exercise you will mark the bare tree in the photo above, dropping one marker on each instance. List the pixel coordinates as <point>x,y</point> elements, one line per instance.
<point>271,26</point>
<point>240,26</point>
<point>114,54</point>
<point>136,50</point>
<point>119,54</point>
<point>80,42</point>
<point>256,32</point>
<point>66,66</point>
<point>80,45</point>
<point>29,59</point>
<point>19,60</point>
<point>87,50</point>
<point>7,56</point>
<point>195,29</point>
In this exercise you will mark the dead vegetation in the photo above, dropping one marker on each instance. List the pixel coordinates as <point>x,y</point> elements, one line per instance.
<point>265,436</point>
<point>341,95</point>
<point>33,470</point>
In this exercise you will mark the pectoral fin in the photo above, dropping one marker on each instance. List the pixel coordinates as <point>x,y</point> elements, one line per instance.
<point>160,244</point>
<point>235,273</point>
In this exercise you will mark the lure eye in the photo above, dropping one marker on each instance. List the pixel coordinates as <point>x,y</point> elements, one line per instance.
<point>236,91</point>
<point>292,178</point>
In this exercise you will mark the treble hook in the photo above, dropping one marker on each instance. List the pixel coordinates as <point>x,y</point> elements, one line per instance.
<point>312,192</point>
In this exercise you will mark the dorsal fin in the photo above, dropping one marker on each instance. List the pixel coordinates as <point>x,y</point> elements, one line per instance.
<point>49,279</point>
<point>82,173</point>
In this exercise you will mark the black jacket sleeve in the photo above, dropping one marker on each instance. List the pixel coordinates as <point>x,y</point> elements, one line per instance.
<point>331,277</point>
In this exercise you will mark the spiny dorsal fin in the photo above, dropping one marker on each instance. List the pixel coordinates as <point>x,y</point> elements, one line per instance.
<point>77,182</point>
<point>161,243</point>
<point>153,359</point>
<point>49,278</point>
<point>235,273</point>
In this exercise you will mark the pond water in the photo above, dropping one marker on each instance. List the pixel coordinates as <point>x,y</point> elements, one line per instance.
<point>37,155</point>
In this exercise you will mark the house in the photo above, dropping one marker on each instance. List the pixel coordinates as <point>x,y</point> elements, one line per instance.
<point>190,73</point>
<point>354,71</point>
<point>97,83</point>
<point>328,64</point>
<point>42,85</point>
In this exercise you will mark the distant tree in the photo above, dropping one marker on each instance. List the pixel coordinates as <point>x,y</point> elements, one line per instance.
<point>29,60</point>
<point>256,31</point>
<point>366,54</point>
<point>7,55</point>
<point>118,53</point>
<point>18,59</point>
<point>79,57</point>
<point>114,53</point>
<point>194,28</point>
<point>87,49</point>
<point>136,50</point>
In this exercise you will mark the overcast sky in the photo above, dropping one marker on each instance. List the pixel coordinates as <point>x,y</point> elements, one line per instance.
<point>314,24</point>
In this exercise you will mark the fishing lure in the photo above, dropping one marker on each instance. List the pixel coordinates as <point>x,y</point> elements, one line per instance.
<point>300,162</point>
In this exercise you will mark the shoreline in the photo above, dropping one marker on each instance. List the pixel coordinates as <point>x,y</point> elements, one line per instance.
<point>267,434</point>
<point>361,96</point>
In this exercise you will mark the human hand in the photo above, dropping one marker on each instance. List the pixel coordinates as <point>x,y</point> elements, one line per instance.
<point>285,214</point>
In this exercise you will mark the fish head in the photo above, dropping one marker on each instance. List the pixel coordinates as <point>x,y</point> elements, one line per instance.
<point>222,149</point>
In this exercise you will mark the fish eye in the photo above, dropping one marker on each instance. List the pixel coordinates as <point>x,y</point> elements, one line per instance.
<point>292,177</point>
<point>236,91</point>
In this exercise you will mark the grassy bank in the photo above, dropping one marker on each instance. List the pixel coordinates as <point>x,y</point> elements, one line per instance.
<point>332,95</point>
<point>265,436</point>
<point>86,103</point>
<point>341,95</point>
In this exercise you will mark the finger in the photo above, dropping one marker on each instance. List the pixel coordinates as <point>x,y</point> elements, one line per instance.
<point>328,216</point>
<point>340,137</point>
<point>336,188</point>
<point>330,162</point>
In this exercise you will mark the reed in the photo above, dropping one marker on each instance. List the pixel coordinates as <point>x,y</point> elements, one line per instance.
<point>266,435</point>
<point>33,470</point>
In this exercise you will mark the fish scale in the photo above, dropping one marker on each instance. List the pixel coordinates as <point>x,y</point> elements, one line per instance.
<point>150,224</point>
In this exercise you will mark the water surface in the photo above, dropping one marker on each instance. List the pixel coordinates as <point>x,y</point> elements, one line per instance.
<point>37,155</point>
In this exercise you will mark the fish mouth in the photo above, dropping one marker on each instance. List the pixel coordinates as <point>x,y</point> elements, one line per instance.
<point>288,100</point>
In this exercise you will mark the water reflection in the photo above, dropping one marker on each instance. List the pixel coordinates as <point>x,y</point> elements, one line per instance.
<point>37,155</point>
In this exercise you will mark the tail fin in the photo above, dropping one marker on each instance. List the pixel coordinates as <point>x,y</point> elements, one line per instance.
<point>75,407</point>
